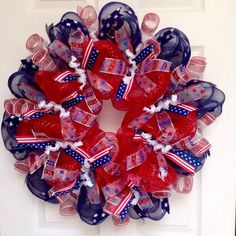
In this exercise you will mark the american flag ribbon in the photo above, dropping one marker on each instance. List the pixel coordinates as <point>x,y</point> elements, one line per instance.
<point>198,145</point>
<point>182,109</point>
<point>124,89</point>
<point>49,166</point>
<point>145,54</point>
<point>185,160</point>
<point>113,188</point>
<point>140,120</point>
<point>145,83</point>
<point>66,76</point>
<point>32,163</point>
<point>206,120</point>
<point>87,53</point>
<point>122,39</point>
<point>145,202</point>
<point>117,204</point>
<point>145,65</point>
<point>34,142</point>
<point>100,158</point>
<point>24,108</point>
<point>58,191</point>
<point>72,100</point>
<point>98,82</point>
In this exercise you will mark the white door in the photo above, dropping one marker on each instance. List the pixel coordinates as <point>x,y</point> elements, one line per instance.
<point>209,209</point>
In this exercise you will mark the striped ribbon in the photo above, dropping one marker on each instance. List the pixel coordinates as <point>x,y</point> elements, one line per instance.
<point>182,109</point>
<point>97,160</point>
<point>198,145</point>
<point>34,142</point>
<point>65,190</point>
<point>24,108</point>
<point>185,160</point>
<point>146,66</point>
<point>66,76</point>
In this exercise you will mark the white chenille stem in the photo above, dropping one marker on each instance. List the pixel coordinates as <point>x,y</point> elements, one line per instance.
<point>163,104</point>
<point>56,107</point>
<point>156,146</point>
<point>85,174</point>
<point>82,78</point>
<point>133,68</point>
<point>136,197</point>
<point>59,145</point>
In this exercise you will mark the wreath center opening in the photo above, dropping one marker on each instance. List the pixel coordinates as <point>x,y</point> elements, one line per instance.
<point>109,118</point>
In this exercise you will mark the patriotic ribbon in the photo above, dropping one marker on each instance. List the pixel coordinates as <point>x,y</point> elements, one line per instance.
<point>144,65</point>
<point>181,75</point>
<point>122,39</point>
<point>34,142</point>
<point>198,145</point>
<point>72,100</point>
<point>82,117</point>
<point>194,70</point>
<point>65,190</point>
<point>66,76</point>
<point>60,50</point>
<point>99,83</point>
<point>24,108</point>
<point>206,120</point>
<point>184,159</point>
<point>150,145</point>
<point>110,140</point>
<point>183,105</point>
<point>32,163</point>
<point>119,203</point>
<point>97,160</point>
<point>137,158</point>
<point>166,127</point>
<point>91,100</point>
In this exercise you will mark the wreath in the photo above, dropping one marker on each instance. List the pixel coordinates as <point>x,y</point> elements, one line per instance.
<point>51,125</point>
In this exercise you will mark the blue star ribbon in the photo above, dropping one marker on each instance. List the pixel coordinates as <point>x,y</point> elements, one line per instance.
<point>185,160</point>
<point>67,190</point>
<point>73,102</point>
<point>165,205</point>
<point>146,52</point>
<point>96,160</point>
<point>121,90</point>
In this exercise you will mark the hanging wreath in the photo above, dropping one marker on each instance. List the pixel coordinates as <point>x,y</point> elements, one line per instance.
<point>51,126</point>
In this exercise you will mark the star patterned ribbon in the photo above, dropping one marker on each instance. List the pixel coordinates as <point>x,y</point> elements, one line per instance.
<point>144,65</point>
<point>184,159</point>
<point>80,155</point>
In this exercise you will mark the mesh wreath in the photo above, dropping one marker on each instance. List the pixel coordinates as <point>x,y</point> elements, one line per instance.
<point>51,125</point>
